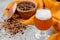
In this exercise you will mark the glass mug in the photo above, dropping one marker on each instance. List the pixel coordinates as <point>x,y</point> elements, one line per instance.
<point>43,21</point>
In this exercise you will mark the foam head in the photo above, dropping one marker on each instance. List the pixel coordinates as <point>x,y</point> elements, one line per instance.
<point>43,14</point>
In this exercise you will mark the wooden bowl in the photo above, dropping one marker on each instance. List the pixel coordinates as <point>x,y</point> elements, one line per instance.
<point>26,9</point>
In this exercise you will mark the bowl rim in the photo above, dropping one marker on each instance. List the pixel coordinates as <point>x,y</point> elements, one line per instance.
<point>28,10</point>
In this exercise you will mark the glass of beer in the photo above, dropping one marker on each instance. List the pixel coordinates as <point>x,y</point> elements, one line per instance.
<point>43,21</point>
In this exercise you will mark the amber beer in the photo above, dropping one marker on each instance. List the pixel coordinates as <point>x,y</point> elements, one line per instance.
<point>43,20</point>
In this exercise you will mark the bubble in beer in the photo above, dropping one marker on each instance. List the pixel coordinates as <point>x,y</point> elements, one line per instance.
<point>43,14</point>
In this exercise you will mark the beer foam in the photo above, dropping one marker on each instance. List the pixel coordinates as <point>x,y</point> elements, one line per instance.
<point>43,14</point>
